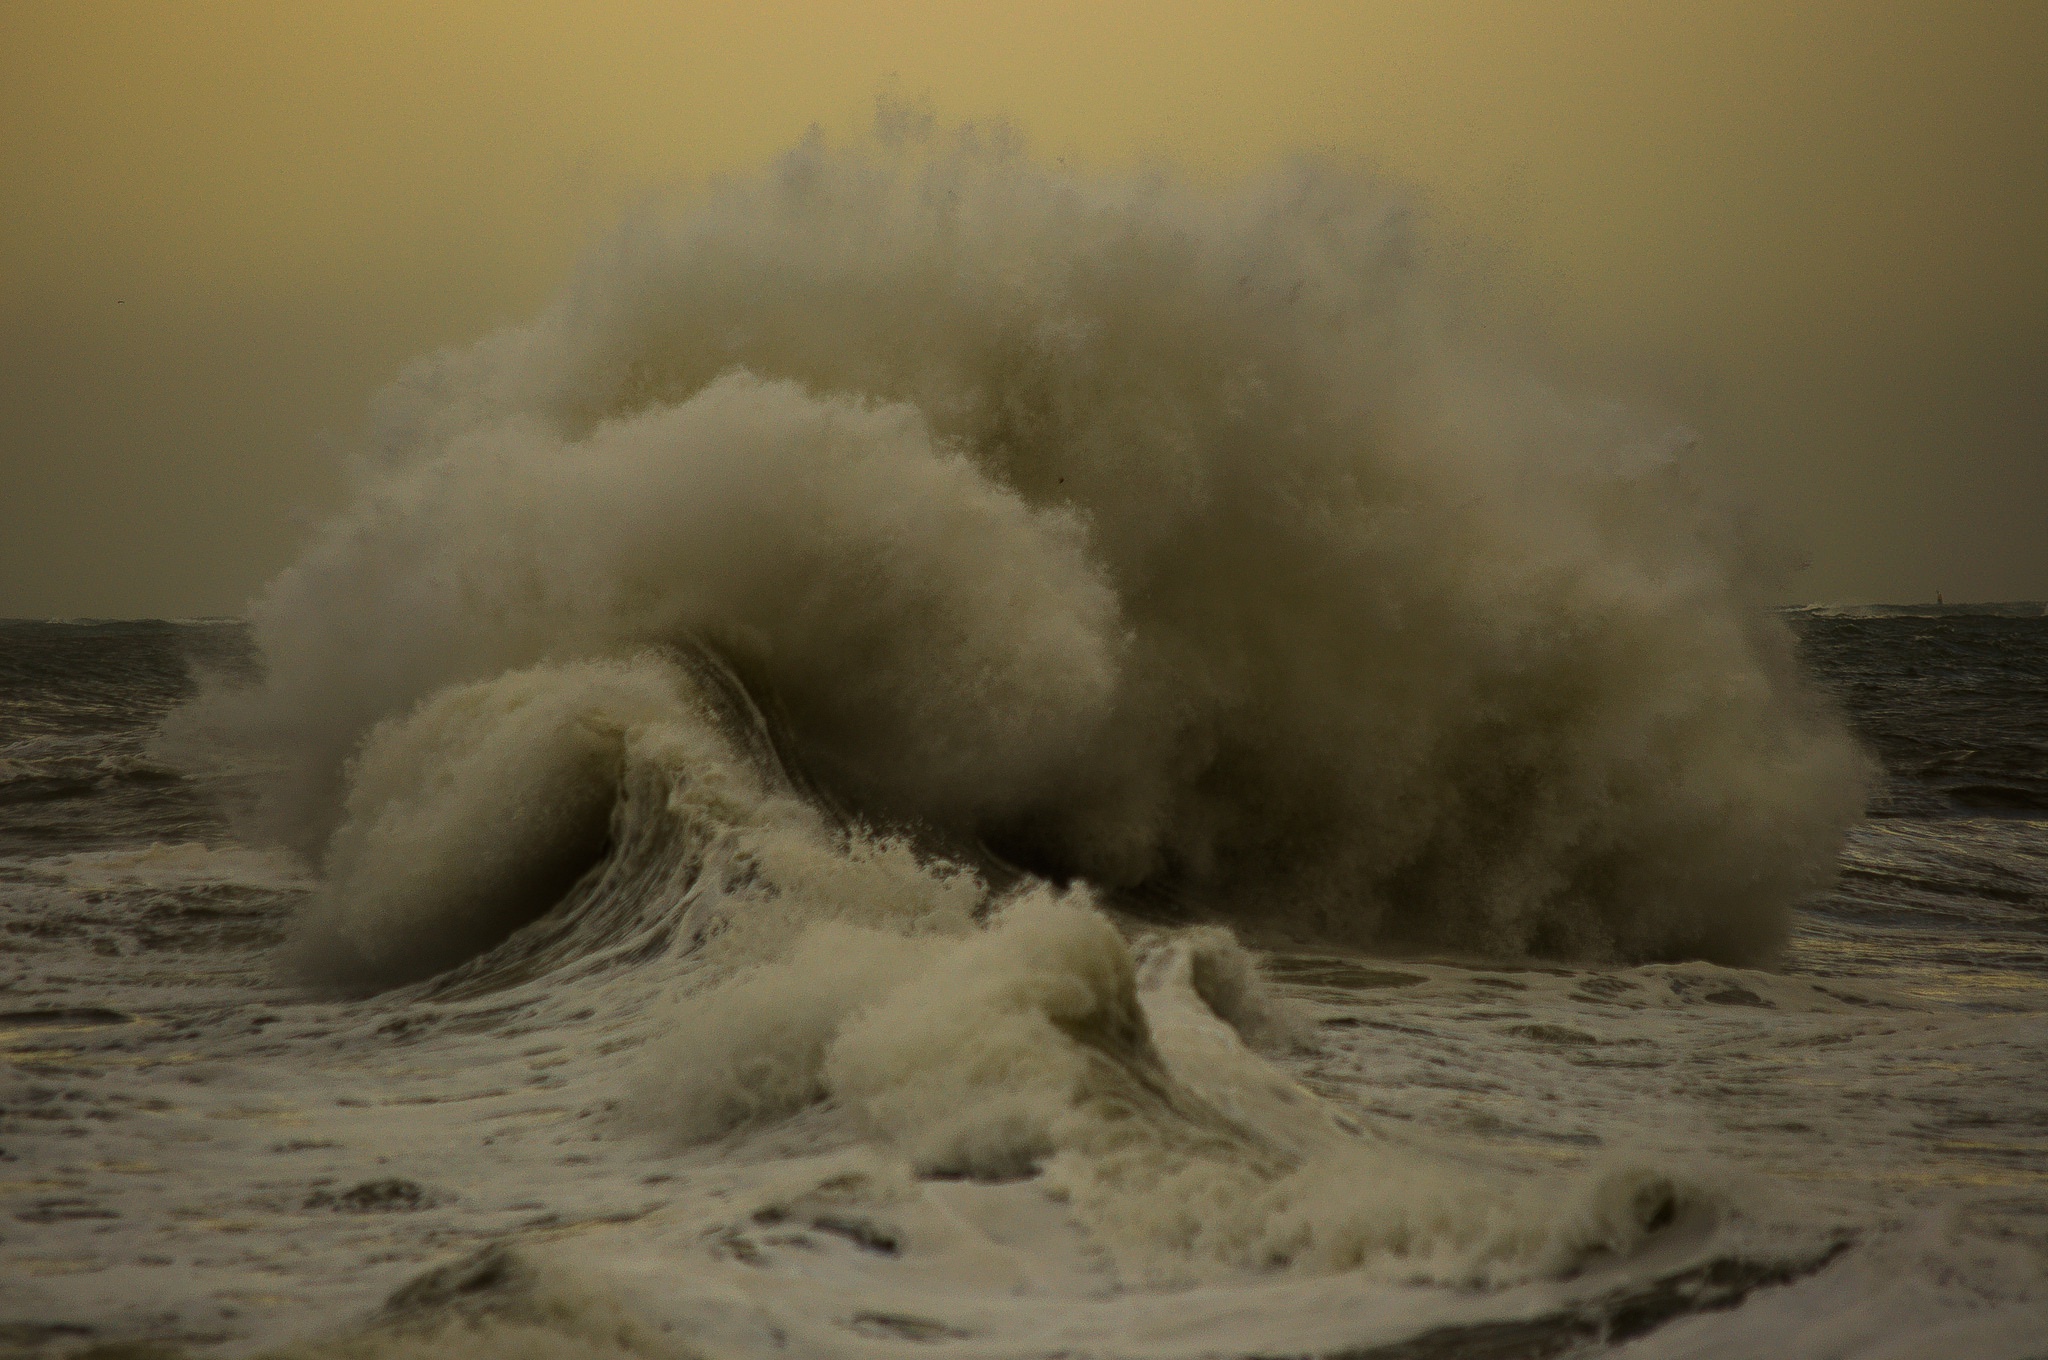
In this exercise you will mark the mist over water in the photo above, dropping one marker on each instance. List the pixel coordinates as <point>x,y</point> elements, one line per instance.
<point>1148,535</point>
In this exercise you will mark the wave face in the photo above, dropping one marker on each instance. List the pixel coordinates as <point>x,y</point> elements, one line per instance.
<point>1148,536</point>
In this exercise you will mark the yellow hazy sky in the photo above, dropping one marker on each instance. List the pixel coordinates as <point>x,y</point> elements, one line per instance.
<point>1818,232</point>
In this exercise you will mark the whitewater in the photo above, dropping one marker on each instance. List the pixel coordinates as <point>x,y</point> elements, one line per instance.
<point>950,756</point>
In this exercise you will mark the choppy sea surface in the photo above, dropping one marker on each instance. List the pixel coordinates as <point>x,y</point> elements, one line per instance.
<point>1844,1155</point>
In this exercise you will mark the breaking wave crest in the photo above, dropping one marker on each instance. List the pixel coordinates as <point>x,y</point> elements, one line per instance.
<point>1144,536</point>
<point>803,963</point>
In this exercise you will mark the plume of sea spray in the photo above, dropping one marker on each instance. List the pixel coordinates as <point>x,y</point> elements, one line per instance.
<point>1152,534</point>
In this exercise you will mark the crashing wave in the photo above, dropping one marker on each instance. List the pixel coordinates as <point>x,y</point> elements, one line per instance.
<point>1151,537</point>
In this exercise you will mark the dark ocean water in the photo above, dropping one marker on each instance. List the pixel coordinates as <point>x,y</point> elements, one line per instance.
<point>1954,700</point>
<point>78,702</point>
<point>197,1153</point>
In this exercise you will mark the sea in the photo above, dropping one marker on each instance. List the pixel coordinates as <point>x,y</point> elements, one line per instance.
<point>951,756</point>
<point>201,1155</point>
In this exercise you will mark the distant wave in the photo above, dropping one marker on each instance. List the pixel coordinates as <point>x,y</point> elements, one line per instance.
<point>1117,530</point>
<point>121,625</point>
<point>2011,609</point>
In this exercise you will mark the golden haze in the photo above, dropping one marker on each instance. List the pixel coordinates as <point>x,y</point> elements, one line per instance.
<point>1816,232</point>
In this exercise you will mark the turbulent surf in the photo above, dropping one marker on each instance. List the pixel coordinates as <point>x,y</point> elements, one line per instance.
<point>1147,537</point>
<point>945,752</point>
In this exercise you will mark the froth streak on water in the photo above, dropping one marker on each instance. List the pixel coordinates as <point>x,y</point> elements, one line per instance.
<point>1145,535</point>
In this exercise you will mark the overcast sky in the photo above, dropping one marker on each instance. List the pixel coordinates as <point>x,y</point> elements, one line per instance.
<point>1818,232</point>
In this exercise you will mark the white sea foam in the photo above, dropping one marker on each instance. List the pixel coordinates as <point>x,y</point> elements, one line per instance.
<point>1030,1046</point>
